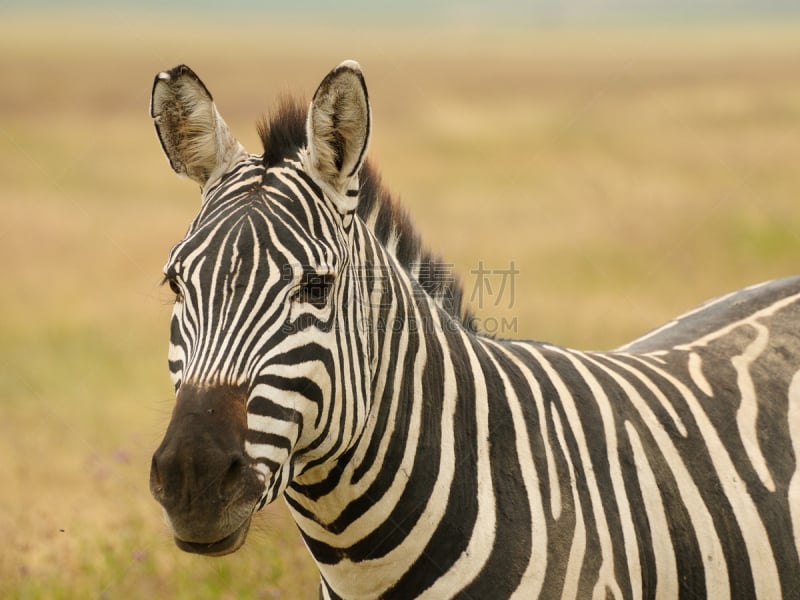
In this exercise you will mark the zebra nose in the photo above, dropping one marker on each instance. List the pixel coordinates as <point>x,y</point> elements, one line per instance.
<point>201,474</point>
<point>183,479</point>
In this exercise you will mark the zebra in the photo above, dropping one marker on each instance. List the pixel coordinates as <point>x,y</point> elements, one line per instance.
<point>319,354</point>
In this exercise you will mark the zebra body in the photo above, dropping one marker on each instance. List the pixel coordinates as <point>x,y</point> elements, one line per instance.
<point>317,355</point>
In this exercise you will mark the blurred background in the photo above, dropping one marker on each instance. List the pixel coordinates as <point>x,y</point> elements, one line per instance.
<point>590,169</point>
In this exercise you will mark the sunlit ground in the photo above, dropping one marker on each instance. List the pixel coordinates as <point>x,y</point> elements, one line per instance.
<point>625,175</point>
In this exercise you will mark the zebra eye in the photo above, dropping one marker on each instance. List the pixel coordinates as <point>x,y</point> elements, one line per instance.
<point>173,285</point>
<point>315,289</point>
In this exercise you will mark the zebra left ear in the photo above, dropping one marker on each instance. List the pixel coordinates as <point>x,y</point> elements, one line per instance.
<point>338,128</point>
<point>192,133</point>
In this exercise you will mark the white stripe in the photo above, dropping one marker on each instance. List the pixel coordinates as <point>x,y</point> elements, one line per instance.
<point>696,373</point>
<point>663,552</point>
<point>538,399</point>
<point>532,579</point>
<point>472,559</point>
<point>577,549</point>
<point>195,313</point>
<point>747,414</point>
<point>266,451</point>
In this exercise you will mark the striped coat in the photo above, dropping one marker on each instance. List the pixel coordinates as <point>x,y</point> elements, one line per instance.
<point>319,354</point>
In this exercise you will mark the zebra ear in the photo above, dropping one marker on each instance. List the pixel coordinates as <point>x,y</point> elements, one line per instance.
<point>337,129</point>
<point>194,136</point>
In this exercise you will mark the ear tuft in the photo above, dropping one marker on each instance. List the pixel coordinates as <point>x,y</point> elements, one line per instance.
<point>194,136</point>
<point>338,130</point>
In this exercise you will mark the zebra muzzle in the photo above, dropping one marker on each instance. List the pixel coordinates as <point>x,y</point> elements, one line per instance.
<point>200,473</point>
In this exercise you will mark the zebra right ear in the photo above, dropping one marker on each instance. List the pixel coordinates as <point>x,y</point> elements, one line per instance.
<point>192,133</point>
<point>338,128</point>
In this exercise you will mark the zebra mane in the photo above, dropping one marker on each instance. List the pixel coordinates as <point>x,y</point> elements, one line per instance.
<point>283,134</point>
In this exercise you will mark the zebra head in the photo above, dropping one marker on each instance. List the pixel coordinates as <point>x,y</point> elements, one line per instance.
<point>267,305</point>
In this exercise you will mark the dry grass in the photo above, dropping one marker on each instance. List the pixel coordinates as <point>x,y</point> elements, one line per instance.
<point>628,174</point>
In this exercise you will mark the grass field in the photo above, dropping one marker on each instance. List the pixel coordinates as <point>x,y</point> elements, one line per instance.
<point>629,174</point>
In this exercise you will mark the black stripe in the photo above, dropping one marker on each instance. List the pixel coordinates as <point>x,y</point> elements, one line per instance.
<point>502,572</point>
<point>452,534</point>
<point>270,439</point>
<point>267,408</point>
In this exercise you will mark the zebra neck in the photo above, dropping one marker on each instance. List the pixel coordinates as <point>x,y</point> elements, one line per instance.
<point>418,451</point>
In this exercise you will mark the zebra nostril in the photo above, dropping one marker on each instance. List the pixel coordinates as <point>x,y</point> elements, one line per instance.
<point>156,486</point>
<point>233,474</point>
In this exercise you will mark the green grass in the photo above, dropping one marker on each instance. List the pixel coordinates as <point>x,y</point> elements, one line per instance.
<point>629,174</point>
